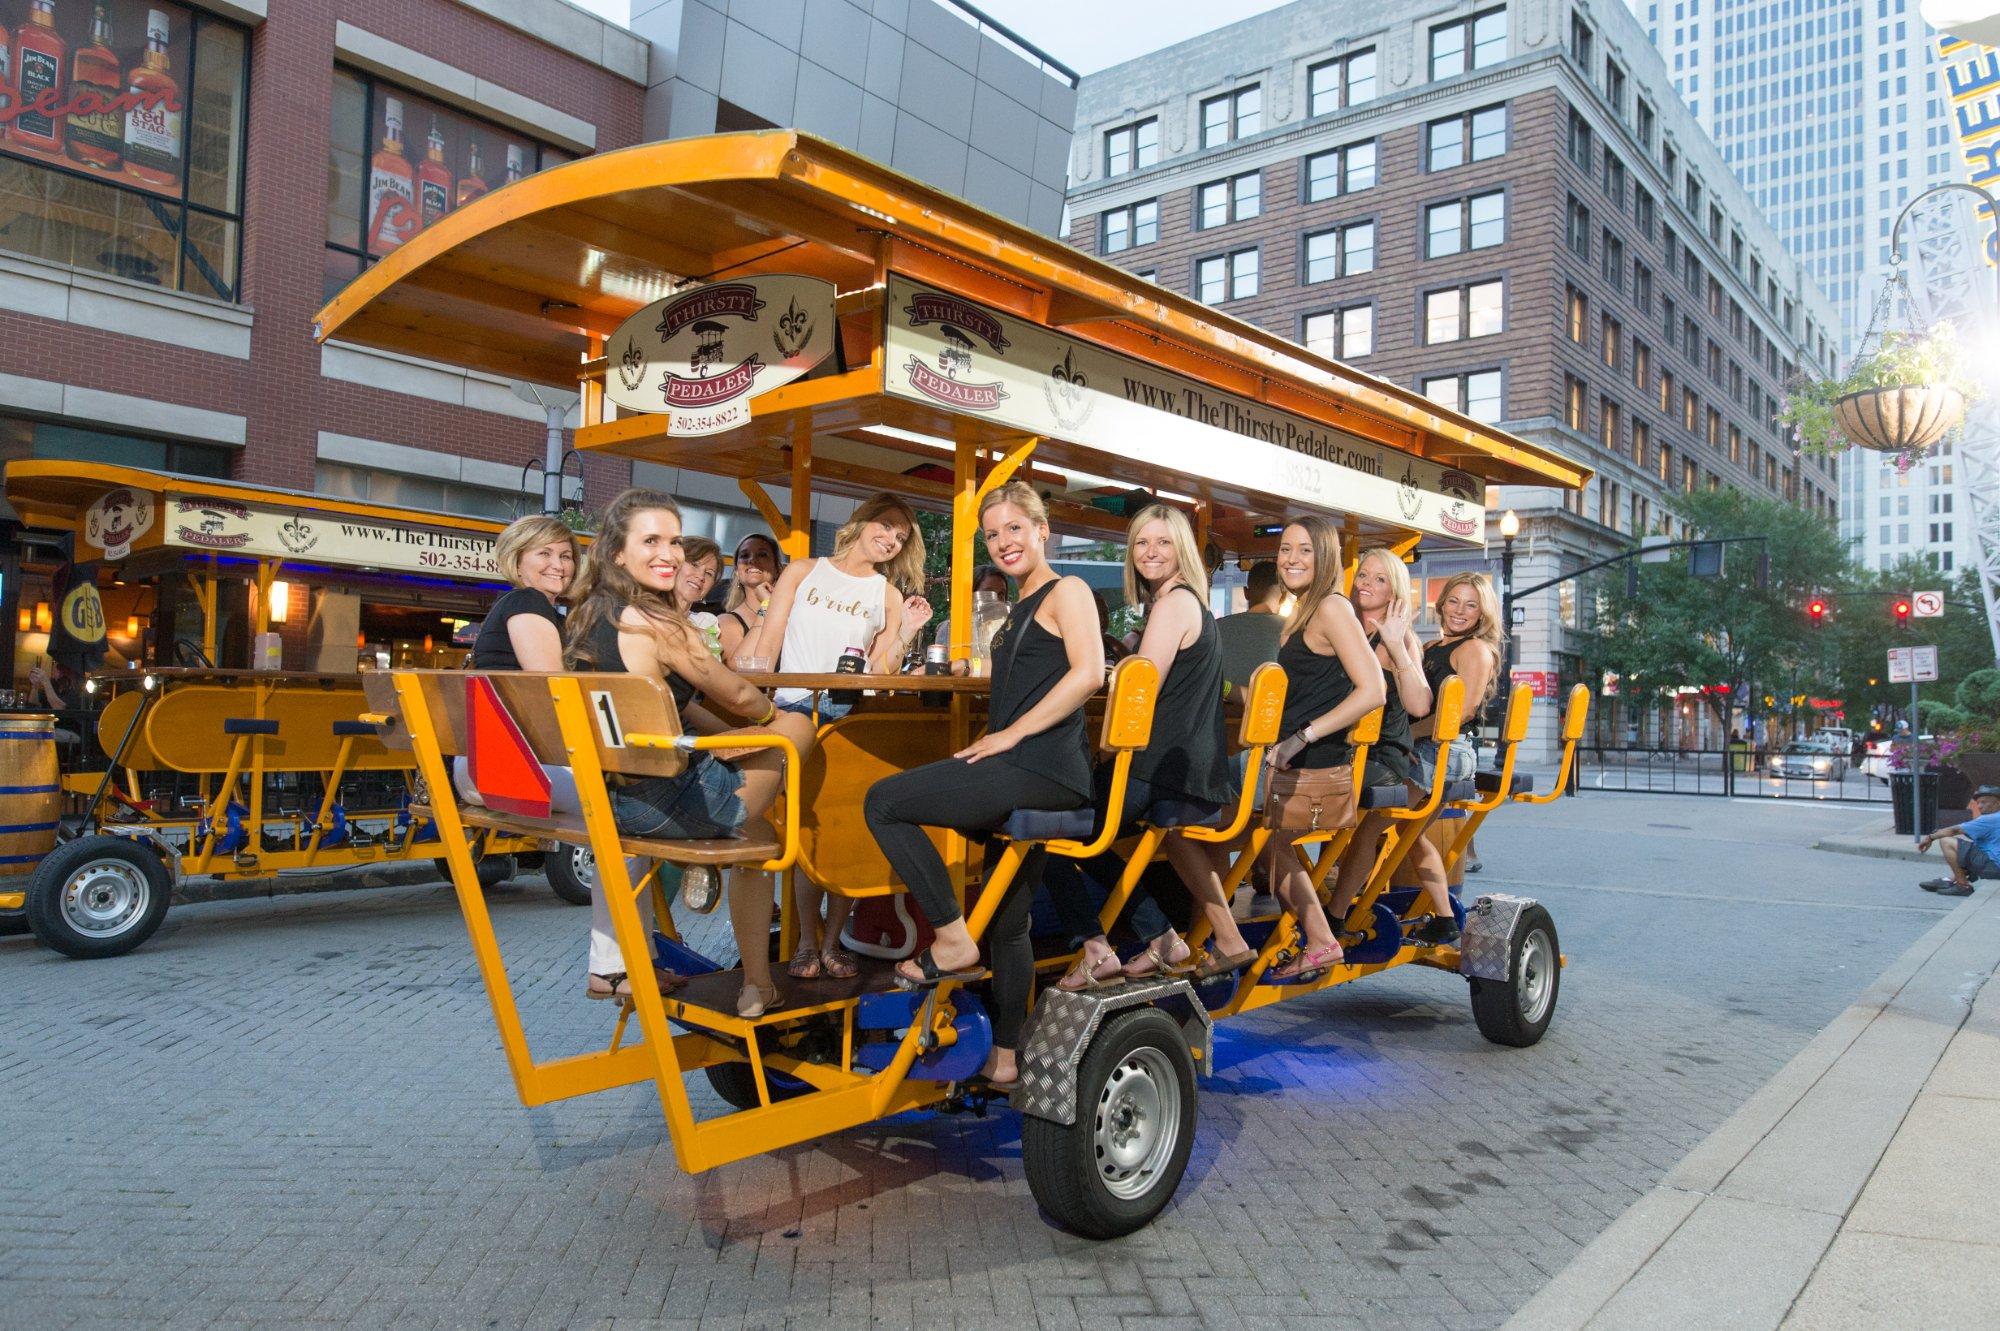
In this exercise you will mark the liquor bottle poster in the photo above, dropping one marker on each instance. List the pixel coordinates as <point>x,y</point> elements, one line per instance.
<point>425,160</point>
<point>98,87</point>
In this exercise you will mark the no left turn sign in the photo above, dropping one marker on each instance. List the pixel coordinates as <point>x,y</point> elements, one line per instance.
<point>1926,605</point>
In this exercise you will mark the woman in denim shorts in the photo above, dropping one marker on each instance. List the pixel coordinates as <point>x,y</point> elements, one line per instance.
<point>629,619</point>
<point>1469,646</point>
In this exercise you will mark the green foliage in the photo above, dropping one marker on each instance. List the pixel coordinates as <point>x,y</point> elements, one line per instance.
<point>1978,695</point>
<point>1903,360</point>
<point>579,519</point>
<point>1941,718</point>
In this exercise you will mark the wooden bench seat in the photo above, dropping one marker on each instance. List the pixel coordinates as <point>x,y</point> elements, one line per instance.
<point>569,828</point>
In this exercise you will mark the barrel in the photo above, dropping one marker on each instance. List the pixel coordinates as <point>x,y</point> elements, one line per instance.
<point>30,794</point>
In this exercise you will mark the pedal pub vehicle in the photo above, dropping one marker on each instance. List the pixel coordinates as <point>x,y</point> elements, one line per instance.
<point>217,765</point>
<point>964,351</point>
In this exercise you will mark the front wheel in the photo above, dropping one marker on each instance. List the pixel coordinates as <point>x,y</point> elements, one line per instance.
<point>99,896</point>
<point>1516,1011</point>
<point>1115,1168</point>
<point>572,871</point>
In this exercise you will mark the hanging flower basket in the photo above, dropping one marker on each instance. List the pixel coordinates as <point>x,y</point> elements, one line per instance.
<point>1905,419</point>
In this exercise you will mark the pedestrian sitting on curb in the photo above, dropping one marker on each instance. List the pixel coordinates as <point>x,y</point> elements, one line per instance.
<point>1971,849</point>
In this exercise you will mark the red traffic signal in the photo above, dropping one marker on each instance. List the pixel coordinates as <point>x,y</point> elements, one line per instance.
<point>1902,612</point>
<point>1816,611</point>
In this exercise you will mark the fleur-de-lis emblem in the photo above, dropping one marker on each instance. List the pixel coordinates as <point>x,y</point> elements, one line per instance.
<point>1066,389</point>
<point>631,366</point>
<point>1071,378</point>
<point>794,329</point>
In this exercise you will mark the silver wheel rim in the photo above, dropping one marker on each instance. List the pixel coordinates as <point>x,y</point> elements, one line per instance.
<point>105,897</point>
<point>583,865</point>
<point>1537,982</point>
<point>1138,1119</point>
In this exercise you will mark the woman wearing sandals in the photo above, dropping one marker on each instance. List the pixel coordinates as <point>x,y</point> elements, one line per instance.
<point>868,594</point>
<point>1382,594</point>
<point>1187,762</point>
<point>627,620</point>
<point>1048,659</point>
<point>1334,679</point>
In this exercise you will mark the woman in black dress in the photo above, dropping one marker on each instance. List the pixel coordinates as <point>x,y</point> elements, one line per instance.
<point>1047,661</point>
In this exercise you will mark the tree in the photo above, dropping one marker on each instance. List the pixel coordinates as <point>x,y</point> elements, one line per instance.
<point>1729,635</point>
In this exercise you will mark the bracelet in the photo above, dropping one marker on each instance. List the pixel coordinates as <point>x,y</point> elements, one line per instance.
<point>768,717</point>
<point>1307,731</point>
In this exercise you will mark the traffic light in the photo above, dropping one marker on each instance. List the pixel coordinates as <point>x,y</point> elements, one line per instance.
<point>1901,609</point>
<point>1816,612</point>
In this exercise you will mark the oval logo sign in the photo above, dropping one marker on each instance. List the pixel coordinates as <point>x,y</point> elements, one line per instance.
<point>83,615</point>
<point>700,355</point>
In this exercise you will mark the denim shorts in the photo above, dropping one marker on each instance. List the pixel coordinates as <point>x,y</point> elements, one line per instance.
<point>1460,763</point>
<point>1977,863</point>
<point>703,803</point>
<point>829,710</point>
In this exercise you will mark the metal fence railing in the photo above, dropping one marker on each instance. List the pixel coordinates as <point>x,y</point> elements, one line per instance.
<point>1716,772</point>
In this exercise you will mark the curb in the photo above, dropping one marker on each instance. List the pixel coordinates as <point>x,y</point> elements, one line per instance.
<point>1872,850</point>
<point>1779,1176</point>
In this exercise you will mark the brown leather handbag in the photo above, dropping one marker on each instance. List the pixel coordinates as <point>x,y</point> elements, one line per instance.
<point>1310,799</point>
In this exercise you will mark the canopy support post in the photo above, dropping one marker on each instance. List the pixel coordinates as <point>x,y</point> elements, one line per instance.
<point>968,493</point>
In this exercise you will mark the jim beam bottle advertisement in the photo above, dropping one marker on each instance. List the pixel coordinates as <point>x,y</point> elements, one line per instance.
<point>413,184</point>
<point>97,86</point>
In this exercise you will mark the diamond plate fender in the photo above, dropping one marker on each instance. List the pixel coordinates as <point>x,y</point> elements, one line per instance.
<point>1486,947</point>
<point>1063,1024</point>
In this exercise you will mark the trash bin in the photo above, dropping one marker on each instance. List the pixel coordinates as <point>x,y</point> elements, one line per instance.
<point>1914,796</point>
<point>1740,755</point>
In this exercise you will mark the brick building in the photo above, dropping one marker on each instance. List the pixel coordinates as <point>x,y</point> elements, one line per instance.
<point>1504,207</point>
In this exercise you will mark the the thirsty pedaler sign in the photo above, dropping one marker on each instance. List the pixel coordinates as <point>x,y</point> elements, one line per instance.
<point>700,355</point>
<point>945,350</point>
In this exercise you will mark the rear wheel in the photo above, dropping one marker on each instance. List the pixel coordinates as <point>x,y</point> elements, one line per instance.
<point>572,871</point>
<point>99,896</point>
<point>737,1085</point>
<point>1515,1011</point>
<point>1114,1169</point>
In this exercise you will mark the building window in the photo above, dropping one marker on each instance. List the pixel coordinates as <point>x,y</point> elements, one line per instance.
<point>1642,443</point>
<point>1614,86</point>
<point>1580,41</point>
<point>1132,147</point>
<point>1477,395</point>
<point>1644,122</point>
<point>133,163</point>
<point>1472,137</point>
<point>1221,277</point>
<point>1692,194</point>
<point>1579,229</point>
<point>20,438</point>
<point>1666,461</point>
<point>1122,228</point>
<point>1612,337</point>
<point>1690,410</point>
<point>1456,313</point>
<point>1579,140</point>
<point>1573,402</point>
<point>1666,391</point>
<point>1346,81</point>
<point>1642,211</point>
<point>1470,43</point>
<point>1642,287</point>
<point>1611,260</point>
<point>1669,320</point>
<point>1345,334</point>
<point>1340,171</point>
<point>1236,199</point>
<point>1735,444</point>
<point>1607,424</point>
<point>1614,180</point>
<point>1714,428</point>
<point>1343,251</point>
<point>1579,311</point>
<point>1642,366</point>
<point>383,192</point>
<point>1477,223</point>
<point>1688,473</point>
<point>1232,116</point>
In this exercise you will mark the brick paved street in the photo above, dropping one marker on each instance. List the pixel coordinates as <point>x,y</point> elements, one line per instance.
<point>295,1111</point>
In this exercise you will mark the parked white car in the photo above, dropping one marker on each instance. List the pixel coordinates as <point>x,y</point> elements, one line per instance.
<point>1814,759</point>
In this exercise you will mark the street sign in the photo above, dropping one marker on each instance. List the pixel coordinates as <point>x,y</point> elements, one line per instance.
<point>1541,683</point>
<point>1926,605</point>
<point>1913,665</point>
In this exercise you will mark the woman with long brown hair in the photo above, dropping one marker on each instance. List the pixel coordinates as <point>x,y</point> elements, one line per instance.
<point>627,619</point>
<point>1334,679</point>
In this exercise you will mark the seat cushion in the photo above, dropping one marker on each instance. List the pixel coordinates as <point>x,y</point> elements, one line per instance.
<point>1460,790</point>
<point>1385,797</point>
<point>248,725</point>
<point>1489,783</point>
<point>1051,824</point>
<point>1187,813</point>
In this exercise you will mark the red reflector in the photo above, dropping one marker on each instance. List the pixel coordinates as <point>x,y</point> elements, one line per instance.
<point>504,770</point>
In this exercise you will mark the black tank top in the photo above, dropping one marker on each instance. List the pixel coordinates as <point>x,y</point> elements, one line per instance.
<point>1438,668</point>
<point>1393,750</point>
<point>600,647</point>
<point>1189,751</point>
<point>1314,686</point>
<point>1028,660</point>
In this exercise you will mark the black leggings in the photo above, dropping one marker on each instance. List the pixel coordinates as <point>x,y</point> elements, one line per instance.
<point>968,797</point>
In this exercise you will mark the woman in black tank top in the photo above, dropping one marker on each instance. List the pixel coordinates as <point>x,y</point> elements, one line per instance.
<point>1333,681</point>
<point>1468,613</point>
<point>1382,595</point>
<point>1186,762</point>
<point>1048,660</point>
<point>629,621</point>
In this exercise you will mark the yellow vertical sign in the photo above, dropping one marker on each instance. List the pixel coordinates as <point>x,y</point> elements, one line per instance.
<point>1972,81</point>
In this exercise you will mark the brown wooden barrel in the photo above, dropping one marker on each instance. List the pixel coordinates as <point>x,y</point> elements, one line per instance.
<point>30,796</point>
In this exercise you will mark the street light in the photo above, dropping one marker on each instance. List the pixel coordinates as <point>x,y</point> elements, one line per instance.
<point>1510,527</point>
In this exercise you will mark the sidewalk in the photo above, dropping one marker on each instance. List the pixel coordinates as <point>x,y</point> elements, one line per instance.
<point>1879,839</point>
<point>1860,1188</point>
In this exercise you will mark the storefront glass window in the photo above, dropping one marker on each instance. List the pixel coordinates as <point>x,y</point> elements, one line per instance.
<point>22,438</point>
<point>121,140</point>
<point>400,162</point>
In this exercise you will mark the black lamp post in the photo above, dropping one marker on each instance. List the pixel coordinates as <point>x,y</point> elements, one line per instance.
<point>1510,527</point>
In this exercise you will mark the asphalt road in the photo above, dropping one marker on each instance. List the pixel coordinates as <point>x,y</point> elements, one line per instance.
<point>294,1111</point>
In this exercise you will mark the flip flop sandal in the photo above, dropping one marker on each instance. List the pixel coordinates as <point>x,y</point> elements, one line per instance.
<point>932,975</point>
<point>805,964</point>
<point>1214,964</point>
<point>616,984</point>
<point>836,964</point>
<point>1153,961</point>
<point>1095,968</point>
<point>1309,965</point>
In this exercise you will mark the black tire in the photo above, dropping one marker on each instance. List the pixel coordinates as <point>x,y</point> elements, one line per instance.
<point>493,870</point>
<point>99,896</point>
<point>737,1086</point>
<point>14,923</point>
<point>571,871</point>
<point>1093,1178</point>
<point>1517,1010</point>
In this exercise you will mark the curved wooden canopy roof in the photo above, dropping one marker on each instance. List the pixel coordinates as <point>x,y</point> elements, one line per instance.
<point>527,281</point>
